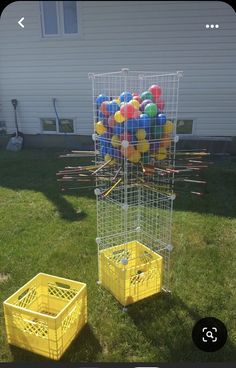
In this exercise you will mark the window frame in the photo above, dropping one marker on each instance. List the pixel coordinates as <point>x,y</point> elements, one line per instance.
<point>57,132</point>
<point>60,22</point>
<point>193,127</point>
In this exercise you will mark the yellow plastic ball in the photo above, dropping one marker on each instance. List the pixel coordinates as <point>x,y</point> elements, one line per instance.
<point>143,146</point>
<point>135,156</point>
<point>107,157</point>
<point>161,154</point>
<point>119,118</point>
<point>117,100</point>
<point>140,134</point>
<point>135,103</point>
<point>115,141</point>
<point>168,127</point>
<point>100,128</point>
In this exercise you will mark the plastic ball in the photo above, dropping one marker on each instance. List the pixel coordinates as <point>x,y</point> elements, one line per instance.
<point>151,110</point>
<point>143,146</point>
<point>144,121</point>
<point>100,128</point>
<point>111,151</point>
<point>107,157</point>
<point>135,156</point>
<point>115,141</point>
<point>126,96</point>
<point>112,107</point>
<point>168,127</point>
<point>161,154</point>
<point>131,125</point>
<point>103,108</point>
<point>127,110</point>
<point>119,118</point>
<point>160,105</point>
<point>101,116</point>
<point>101,98</point>
<point>144,104</point>
<point>135,103</point>
<point>127,151</point>
<point>137,98</point>
<point>155,91</point>
<point>141,134</point>
<point>165,142</point>
<point>111,121</point>
<point>118,129</point>
<point>161,119</point>
<point>126,136</point>
<point>117,100</point>
<point>137,114</point>
<point>147,95</point>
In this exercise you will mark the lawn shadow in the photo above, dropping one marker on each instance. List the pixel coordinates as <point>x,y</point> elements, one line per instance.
<point>85,348</point>
<point>219,192</point>
<point>35,170</point>
<point>174,321</point>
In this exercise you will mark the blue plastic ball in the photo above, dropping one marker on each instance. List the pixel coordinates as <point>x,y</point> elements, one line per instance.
<point>112,107</point>
<point>101,116</point>
<point>131,125</point>
<point>161,119</point>
<point>101,98</point>
<point>144,121</point>
<point>118,129</point>
<point>126,97</point>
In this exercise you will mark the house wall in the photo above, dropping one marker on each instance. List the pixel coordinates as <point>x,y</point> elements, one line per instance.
<point>140,35</point>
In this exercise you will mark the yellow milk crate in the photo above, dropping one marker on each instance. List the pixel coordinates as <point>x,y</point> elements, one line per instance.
<point>130,271</point>
<point>46,314</point>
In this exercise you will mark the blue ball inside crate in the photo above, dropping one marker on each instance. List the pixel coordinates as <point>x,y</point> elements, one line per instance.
<point>126,97</point>
<point>101,116</point>
<point>118,129</point>
<point>113,107</point>
<point>131,125</point>
<point>144,122</point>
<point>161,119</point>
<point>101,98</point>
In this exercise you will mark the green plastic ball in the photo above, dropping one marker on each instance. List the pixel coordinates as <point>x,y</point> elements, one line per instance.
<point>151,110</point>
<point>146,96</point>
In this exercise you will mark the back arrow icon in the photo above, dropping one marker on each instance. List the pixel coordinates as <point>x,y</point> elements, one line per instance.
<point>20,22</point>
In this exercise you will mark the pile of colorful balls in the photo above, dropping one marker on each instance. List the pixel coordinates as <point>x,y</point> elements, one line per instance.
<point>133,126</point>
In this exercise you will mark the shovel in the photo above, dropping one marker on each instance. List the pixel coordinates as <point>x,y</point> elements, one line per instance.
<point>15,143</point>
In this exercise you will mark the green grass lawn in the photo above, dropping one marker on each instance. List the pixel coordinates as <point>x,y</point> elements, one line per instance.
<point>42,230</point>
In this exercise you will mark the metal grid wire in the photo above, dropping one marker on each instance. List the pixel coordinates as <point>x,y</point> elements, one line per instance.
<point>134,189</point>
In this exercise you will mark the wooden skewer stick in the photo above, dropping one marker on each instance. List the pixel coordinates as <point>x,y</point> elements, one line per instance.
<point>102,166</point>
<point>192,153</point>
<point>117,173</point>
<point>112,188</point>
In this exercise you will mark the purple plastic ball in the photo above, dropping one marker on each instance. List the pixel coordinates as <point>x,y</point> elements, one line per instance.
<point>144,103</point>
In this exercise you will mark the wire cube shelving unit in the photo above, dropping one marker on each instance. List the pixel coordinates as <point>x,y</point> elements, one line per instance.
<point>134,189</point>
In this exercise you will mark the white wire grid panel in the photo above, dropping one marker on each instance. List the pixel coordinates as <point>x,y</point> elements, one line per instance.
<point>135,187</point>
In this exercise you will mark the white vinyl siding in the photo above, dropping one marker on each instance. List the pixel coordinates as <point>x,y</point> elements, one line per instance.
<point>140,35</point>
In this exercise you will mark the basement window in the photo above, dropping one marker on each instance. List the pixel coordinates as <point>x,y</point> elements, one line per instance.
<point>66,126</point>
<point>184,126</point>
<point>52,125</point>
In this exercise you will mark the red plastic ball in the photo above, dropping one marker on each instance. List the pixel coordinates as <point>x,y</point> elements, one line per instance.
<point>155,91</point>
<point>103,108</point>
<point>127,110</point>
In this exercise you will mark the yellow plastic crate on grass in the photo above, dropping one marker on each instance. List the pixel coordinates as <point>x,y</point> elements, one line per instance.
<point>139,278</point>
<point>46,314</point>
